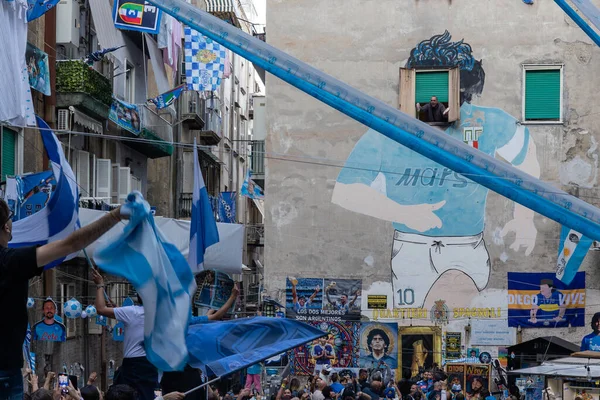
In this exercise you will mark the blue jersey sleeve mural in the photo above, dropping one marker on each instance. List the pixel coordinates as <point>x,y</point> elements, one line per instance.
<point>438,215</point>
<point>539,300</point>
<point>378,345</point>
<point>592,341</point>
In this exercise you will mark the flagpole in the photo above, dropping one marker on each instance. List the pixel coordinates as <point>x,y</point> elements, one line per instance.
<point>201,386</point>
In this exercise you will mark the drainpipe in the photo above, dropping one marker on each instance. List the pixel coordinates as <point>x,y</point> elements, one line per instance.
<point>231,122</point>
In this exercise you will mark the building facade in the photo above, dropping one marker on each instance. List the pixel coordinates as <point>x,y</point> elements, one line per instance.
<point>429,248</point>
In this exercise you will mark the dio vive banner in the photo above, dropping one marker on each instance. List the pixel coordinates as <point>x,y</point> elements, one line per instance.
<point>539,300</point>
<point>136,15</point>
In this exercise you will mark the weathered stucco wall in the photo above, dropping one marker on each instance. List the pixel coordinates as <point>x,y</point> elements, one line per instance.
<point>314,230</point>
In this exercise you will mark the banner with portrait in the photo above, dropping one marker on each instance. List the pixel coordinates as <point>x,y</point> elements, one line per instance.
<point>477,378</point>
<point>318,299</point>
<point>420,347</point>
<point>540,300</point>
<point>338,349</point>
<point>456,376</point>
<point>378,345</point>
<point>38,69</point>
<point>126,115</point>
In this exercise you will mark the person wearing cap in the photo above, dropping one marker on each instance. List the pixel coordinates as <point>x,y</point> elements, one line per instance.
<point>549,304</point>
<point>17,266</point>
<point>48,328</point>
<point>325,373</point>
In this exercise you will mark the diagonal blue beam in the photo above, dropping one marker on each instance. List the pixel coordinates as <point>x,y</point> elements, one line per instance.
<point>579,20</point>
<point>432,143</point>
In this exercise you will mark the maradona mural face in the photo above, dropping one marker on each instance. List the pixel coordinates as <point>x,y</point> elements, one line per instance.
<point>438,215</point>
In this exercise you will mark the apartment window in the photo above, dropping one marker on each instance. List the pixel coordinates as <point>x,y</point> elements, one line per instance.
<point>67,292</point>
<point>542,93</point>
<point>129,84</point>
<point>419,86</point>
<point>8,143</point>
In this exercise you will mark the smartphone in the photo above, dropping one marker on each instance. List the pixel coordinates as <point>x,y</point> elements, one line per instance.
<point>63,383</point>
<point>157,393</point>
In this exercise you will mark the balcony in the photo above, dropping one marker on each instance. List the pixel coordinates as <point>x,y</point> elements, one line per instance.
<point>157,132</point>
<point>83,87</point>
<point>193,109</point>
<point>212,131</point>
<point>185,205</point>
<point>255,234</point>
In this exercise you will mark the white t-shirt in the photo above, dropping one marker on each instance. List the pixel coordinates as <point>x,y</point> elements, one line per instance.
<point>133,319</point>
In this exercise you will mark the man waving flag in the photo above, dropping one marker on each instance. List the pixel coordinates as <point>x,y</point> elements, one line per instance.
<point>203,229</point>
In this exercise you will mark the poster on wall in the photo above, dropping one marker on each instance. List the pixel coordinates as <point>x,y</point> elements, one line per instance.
<point>50,328</point>
<point>338,349</point>
<point>420,347</point>
<point>453,343</point>
<point>38,69</point>
<point>477,377</point>
<point>317,299</point>
<point>539,300</point>
<point>492,333</point>
<point>136,15</point>
<point>378,345</point>
<point>456,375</point>
<point>126,115</point>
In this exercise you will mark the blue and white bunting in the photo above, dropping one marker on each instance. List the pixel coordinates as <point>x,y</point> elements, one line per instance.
<point>203,229</point>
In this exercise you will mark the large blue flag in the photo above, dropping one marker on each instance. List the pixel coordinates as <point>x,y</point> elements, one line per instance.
<point>572,249</point>
<point>161,276</point>
<point>37,8</point>
<point>60,217</point>
<point>226,347</point>
<point>203,228</point>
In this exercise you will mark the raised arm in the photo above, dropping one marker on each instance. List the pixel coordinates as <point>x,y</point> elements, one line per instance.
<point>100,302</point>
<point>77,240</point>
<point>225,307</point>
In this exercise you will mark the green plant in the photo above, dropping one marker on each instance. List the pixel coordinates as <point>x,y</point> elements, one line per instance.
<point>75,76</point>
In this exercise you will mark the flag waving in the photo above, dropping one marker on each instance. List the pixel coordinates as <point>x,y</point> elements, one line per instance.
<point>203,229</point>
<point>572,249</point>
<point>161,276</point>
<point>60,217</point>
<point>167,98</point>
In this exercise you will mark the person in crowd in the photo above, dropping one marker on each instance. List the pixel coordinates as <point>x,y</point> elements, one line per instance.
<point>295,387</point>
<point>363,378</point>
<point>253,378</point>
<point>136,371</point>
<point>325,373</point>
<point>426,384</point>
<point>17,266</point>
<point>328,393</point>
<point>284,392</point>
<point>434,110</point>
<point>320,384</point>
<point>375,390</point>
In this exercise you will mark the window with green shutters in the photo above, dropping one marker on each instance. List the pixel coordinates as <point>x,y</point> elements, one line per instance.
<point>9,140</point>
<point>431,84</point>
<point>542,95</point>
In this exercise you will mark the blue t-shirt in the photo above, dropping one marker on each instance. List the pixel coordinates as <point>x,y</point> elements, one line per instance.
<point>55,332</point>
<point>254,369</point>
<point>203,319</point>
<point>411,179</point>
<point>548,307</point>
<point>591,342</point>
<point>337,387</point>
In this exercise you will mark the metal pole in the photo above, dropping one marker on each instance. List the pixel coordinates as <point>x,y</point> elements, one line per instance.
<point>201,386</point>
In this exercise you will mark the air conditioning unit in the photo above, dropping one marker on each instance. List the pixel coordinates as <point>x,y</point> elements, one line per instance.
<point>64,117</point>
<point>67,23</point>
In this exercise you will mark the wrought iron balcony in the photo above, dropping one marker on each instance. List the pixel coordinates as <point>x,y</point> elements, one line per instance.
<point>255,234</point>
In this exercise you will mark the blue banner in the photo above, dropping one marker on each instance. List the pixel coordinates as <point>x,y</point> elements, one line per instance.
<point>227,207</point>
<point>539,300</point>
<point>37,8</point>
<point>38,69</point>
<point>126,115</point>
<point>250,189</point>
<point>167,98</point>
<point>227,347</point>
<point>34,192</point>
<point>572,249</point>
<point>136,15</point>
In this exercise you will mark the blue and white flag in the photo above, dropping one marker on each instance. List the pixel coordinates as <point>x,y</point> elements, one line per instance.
<point>204,61</point>
<point>99,55</point>
<point>167,98</point>
<point>572,249</point>
<point>37,8</point>
<point>60,217</point>
<point>162,278</point>
<point>227,347</point>
<point>227,207</point>
<point>203,228</point>
<point>250,189</point>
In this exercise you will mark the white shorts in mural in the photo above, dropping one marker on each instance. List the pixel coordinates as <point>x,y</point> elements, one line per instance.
<point>418,261</point>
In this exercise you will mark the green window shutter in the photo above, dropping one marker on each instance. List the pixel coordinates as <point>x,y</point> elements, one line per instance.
<point>9,139</point>
<point>542,95</point>
<point>432,84</point>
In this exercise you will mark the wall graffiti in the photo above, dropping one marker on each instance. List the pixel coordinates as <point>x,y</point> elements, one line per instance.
<point>438,215</point>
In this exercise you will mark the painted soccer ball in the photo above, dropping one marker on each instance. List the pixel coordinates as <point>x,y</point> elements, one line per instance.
<point>72,308</point>
<point>91,311</point>
<point>30,302</point>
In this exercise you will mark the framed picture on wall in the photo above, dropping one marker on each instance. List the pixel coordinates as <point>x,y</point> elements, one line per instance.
<point>419,348</point>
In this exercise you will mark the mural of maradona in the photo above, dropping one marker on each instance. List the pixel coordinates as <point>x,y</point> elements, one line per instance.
<point>438,215</point>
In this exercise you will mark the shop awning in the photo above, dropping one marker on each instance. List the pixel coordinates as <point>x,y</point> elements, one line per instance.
<point>108,35</point>
<point>568,367</point>
<point>550,346</point>
<point>220,6</point>
<point>86,121</point>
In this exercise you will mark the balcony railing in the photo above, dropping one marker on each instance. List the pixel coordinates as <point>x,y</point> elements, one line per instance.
<point>156,130</point>
<point>192,109</point>
<point>255,234</point>
<point>185,205</point>
<point>79,85</point>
